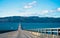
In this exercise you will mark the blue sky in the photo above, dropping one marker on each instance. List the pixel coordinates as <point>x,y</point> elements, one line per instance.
<point>41,8</point>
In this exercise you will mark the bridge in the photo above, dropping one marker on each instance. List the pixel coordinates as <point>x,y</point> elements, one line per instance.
<point>32,33</point>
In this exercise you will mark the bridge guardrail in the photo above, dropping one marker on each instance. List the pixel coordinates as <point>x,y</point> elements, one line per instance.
<point>52,31</point>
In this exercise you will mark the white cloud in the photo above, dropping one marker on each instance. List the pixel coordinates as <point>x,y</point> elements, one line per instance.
<point>30,5</point>
<point>43,12</point>
<point>51,11</point>
<point>58,9</point>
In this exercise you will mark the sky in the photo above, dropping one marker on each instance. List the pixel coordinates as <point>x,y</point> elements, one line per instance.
<point>41,8</point>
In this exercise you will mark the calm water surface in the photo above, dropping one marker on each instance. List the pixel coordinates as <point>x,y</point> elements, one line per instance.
<point>8,26</point>
<point>27,26</point>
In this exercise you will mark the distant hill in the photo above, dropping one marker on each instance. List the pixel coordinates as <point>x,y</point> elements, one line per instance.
<point>30,19</point>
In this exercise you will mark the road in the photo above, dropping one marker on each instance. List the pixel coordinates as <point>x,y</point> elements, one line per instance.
<point>17,34</point>
<point>25,34</point>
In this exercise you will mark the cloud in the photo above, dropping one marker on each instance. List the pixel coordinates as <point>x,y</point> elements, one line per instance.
<point>43,12</point>
<point>30,5</point>
<point>51,11</point>
<point>58,9</point>
<point>26,14</point>
<point>46,12</point>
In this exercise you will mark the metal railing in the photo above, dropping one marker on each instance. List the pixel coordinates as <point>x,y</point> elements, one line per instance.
<point>49,32</point>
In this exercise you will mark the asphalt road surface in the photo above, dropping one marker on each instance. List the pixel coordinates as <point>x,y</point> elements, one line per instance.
<point>17,34</point>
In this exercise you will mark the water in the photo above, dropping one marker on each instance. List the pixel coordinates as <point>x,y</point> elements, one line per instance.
<point>26,26</point>
<point>31,26</point>
<point>39,25</point>
<point>8,26</point>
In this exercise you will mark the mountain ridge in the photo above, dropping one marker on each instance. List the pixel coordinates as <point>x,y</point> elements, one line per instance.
<point>30,19</point>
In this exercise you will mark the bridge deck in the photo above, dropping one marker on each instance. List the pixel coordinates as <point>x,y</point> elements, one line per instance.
<point>26,34</point>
